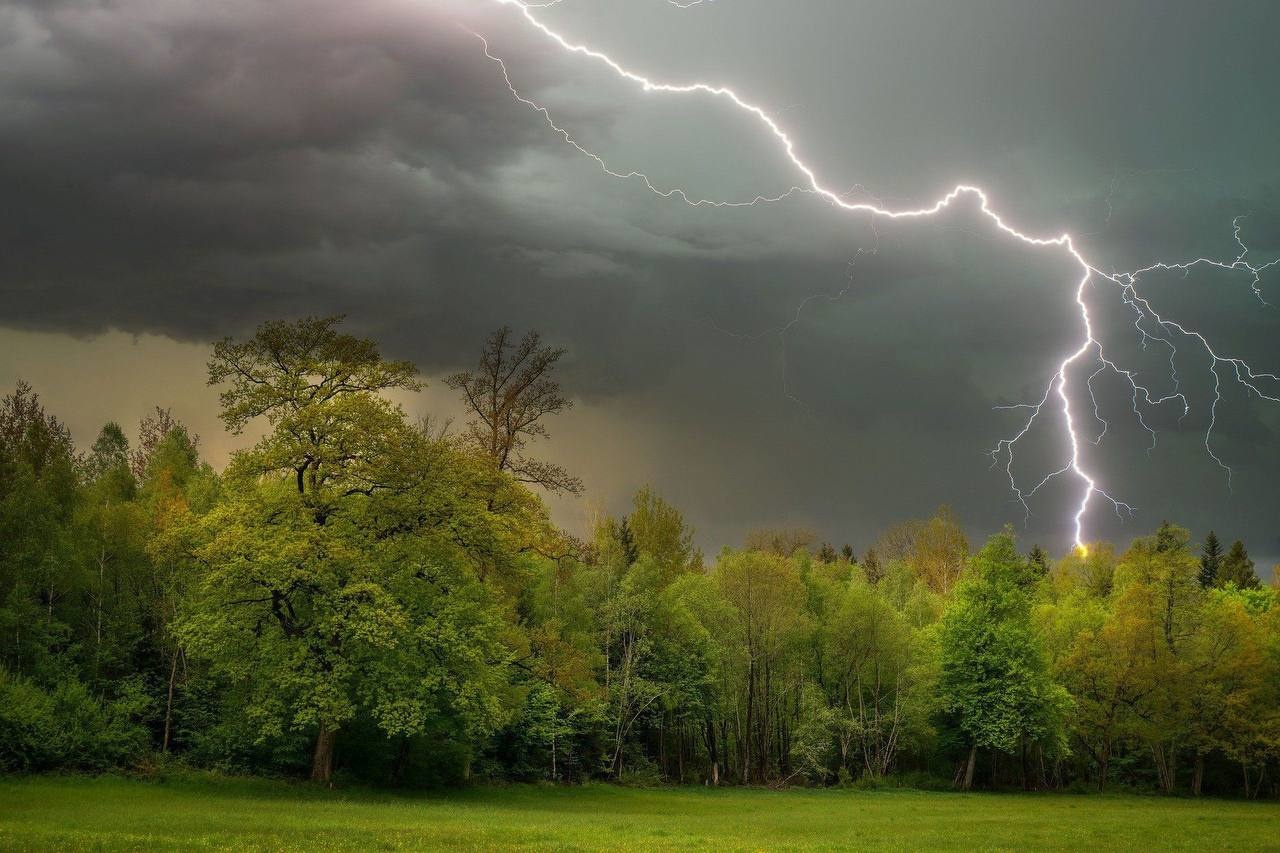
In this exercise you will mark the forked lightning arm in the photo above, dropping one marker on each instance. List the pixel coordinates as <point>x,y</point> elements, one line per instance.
<point>1150,324</point>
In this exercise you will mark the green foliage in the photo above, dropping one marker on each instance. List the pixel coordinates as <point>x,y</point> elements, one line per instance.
<point>292,372</point>
<point>68,727</point>
<point>659,530</point>
<point>812,740</point>
<point>994,682</point>
<point>39,490</point>
<point>324,586</point>
<point>377,601</point>
<point>1256,600</point>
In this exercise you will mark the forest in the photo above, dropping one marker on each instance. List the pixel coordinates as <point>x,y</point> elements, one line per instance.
<point>359,598</point>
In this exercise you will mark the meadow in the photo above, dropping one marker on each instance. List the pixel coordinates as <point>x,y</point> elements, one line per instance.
<point>114,813</point>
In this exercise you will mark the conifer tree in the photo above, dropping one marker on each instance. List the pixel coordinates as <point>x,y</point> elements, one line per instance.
<point>1237,568</point>
<point>1210,560</point>
<point>1039,560</point>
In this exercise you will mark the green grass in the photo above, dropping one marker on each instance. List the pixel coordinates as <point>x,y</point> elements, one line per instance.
<point>121,814</point>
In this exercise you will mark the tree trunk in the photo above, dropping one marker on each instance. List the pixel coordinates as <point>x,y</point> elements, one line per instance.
<point>968,770</point>
<point>401,762</point>
<point>168,708</point>
<point>664,754</point>
<point>1164,767</point>
<point>97,637</point>
<point>1197,778</point>
<point>712,753</point>
<point>322,761</point>
<point>725,747</point>
<point>749,735</point>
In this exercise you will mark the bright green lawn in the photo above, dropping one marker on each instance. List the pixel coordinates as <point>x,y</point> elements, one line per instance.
<point>117,814</point>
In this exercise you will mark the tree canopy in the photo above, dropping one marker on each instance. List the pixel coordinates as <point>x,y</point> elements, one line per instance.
<point>359,596</point>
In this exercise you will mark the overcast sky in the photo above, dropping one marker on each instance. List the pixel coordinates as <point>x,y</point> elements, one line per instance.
<point>178,170</point>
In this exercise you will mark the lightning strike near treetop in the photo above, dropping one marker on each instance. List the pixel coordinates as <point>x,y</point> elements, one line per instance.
<point>1060,390</point>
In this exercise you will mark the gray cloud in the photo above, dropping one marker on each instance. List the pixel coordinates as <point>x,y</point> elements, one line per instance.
<point>193,168</point>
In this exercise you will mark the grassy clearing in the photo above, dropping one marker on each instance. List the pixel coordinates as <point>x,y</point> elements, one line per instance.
<point>121,814</point>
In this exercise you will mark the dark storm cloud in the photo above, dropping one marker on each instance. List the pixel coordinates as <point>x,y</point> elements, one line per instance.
<point>243,158</point>
<point>193,168</point>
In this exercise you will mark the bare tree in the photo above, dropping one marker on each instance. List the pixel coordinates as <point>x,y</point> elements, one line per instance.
<point>510,394</point>
<point>936,548</point>
<point>783,541</point>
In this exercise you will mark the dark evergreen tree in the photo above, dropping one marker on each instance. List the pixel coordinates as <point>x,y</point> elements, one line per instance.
<point>847,553</point>
<point>1210,560</point>
<point>1237,568</point>
<point>1039,560</point>
<point>628,542</point>
<point>1166,537</point>
<point>827,554</point>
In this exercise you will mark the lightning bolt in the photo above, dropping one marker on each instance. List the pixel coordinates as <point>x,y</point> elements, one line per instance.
<point>1058,393</point>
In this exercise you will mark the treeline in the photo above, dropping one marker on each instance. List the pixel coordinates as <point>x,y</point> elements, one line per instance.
<point>389,601</point>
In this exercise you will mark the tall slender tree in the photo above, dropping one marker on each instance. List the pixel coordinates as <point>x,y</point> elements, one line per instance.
<point>1210,560</point>
<point>995,684</point>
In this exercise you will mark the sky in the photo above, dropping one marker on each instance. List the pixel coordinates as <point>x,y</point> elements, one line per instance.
<point>175,171</point>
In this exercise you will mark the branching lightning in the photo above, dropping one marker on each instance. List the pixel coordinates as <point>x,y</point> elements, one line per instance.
<point>1059,391</point>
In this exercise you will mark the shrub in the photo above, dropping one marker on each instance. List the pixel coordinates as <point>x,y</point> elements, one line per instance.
<point>67,727</point>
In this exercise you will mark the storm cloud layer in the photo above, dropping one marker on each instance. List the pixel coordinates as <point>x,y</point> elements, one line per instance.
<point>190,169</point>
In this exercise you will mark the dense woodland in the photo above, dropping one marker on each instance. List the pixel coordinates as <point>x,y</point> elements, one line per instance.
<point>362,598</point>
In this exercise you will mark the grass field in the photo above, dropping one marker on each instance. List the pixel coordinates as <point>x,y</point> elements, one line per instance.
<point>120,814</point>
